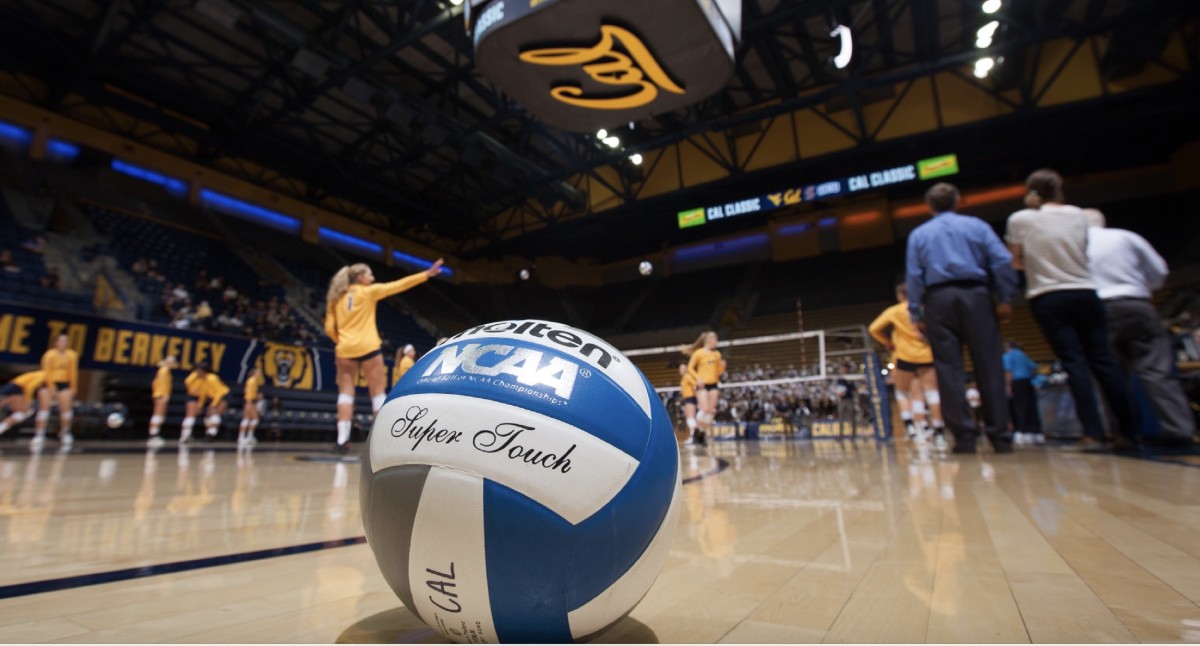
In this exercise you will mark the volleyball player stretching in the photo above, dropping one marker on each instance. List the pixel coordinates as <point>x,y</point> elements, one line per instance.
<point>350,322</point>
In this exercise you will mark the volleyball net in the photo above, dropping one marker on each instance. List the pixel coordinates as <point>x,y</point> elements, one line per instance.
<point>817,384</point>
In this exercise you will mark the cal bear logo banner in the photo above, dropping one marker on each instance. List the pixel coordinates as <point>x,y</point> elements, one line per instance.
<point>129,346</point>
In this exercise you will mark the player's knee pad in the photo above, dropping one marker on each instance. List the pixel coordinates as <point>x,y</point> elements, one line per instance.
<point>918,407</point>
<point>902,397</point>
<point>157,420</point>
<point>20,417</point>
<point>343,398</point>
<point>67,416</point>
<point>42,415</point>
<point>189,422</point>
<point>212,420</point>
<point>377,402</point>
<point>932,397</point>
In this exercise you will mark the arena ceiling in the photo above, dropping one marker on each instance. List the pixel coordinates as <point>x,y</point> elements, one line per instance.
<point>375,108</point>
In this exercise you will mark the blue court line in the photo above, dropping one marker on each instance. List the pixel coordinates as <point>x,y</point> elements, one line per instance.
<point>83,580</point>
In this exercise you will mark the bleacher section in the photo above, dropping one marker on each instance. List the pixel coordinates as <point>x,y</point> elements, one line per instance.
<point>23,285</point>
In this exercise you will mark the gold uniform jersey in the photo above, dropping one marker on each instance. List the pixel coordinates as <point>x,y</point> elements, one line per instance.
<point>30,382</point>
<point>253,388</point>
<point>213,389</point>
<point>402,368</point>
<point>706,365</point>
<point>687,385</point>
<point>194,384</point>
<point>351,321</point>
<point>910,345</point>
<point>61,367</point>
<point>162,383</point>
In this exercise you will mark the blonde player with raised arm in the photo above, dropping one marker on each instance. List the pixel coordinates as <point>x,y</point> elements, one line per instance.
<point>160,394</point>
<point>350,322</point>
<point>251,396</point>
<point>914,376</point>
<point>706,366</point>
<point>19,393</point>
<point>61,365</point>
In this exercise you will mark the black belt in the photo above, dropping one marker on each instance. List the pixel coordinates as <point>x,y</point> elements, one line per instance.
<point>957,283</point>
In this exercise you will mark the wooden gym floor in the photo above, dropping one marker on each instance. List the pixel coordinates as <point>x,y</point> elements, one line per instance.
<point>781,541</point>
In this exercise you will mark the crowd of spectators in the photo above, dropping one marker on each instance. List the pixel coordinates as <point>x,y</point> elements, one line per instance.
<point>211,303</point>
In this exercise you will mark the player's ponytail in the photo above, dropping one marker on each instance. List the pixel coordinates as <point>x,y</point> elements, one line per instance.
<point>341,282</point>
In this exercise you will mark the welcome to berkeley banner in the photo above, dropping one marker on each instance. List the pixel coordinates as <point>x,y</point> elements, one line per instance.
<point>105,344</point>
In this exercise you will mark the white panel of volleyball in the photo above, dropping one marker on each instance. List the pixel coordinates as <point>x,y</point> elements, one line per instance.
<point>809,360</point>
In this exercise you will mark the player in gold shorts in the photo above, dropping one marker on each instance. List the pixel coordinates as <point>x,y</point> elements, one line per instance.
<point>61,365</point>
<point>914,375</point>
<point>160,394</point>
<point>213,393</point>
<point>350,322</point>
<point>687,390</point>
<point>252,395</point>
<point>18,394</point>
<point>706,366</point>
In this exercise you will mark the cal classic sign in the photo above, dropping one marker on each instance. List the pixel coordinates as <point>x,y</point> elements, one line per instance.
<point>587,64</point>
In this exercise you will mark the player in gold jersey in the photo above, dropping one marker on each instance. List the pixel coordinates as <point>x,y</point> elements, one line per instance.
<point>252,395</point>
<point>706,366</point>
<point>160,394</point>
<point>687,390</point>
<point>350,322</point>
<point>61,365</point>
<point>405,358</point>
<point>213,393</point>
<point>914,375</point>
<point>18,394</point>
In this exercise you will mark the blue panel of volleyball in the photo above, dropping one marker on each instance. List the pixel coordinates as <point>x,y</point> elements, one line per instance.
<point>521,484</point>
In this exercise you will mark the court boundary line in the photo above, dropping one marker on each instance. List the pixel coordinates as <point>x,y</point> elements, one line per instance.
<point>98,578</point>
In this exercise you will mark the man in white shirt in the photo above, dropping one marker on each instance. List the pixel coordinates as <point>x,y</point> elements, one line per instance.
<point>1049,243</point>
<point>1127,270</point>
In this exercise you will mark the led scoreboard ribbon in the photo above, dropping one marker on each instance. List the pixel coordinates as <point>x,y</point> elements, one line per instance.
<point>921,170</point>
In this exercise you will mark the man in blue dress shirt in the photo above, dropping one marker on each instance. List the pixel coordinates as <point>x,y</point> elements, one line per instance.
<point>955,263</point>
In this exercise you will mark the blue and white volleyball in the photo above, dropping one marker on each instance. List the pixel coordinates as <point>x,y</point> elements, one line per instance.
<point>645,268</point>
<point>521,484</point>
<point>115,419</point>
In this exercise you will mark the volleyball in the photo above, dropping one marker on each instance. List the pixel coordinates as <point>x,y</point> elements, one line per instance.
<point>645,268</point>
<point>521,484</point>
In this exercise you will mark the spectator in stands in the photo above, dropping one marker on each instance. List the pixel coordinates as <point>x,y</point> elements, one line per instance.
<point>61,365</point>
<point>1019,371</point>
<point>51,280</point>
<point>7,263</point>
<point>846,396</point>
<point>140,267</point>
<point>955,263</point>
<point>36,244</point>
<point>1127,270</point>
<point>350,323</point>
<point>1049,242</point>
<point>202,315</point>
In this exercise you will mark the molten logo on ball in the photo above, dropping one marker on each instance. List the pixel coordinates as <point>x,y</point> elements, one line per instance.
<point>521,484</point>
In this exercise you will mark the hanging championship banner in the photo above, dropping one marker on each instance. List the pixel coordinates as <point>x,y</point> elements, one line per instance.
<point>582,65</point>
